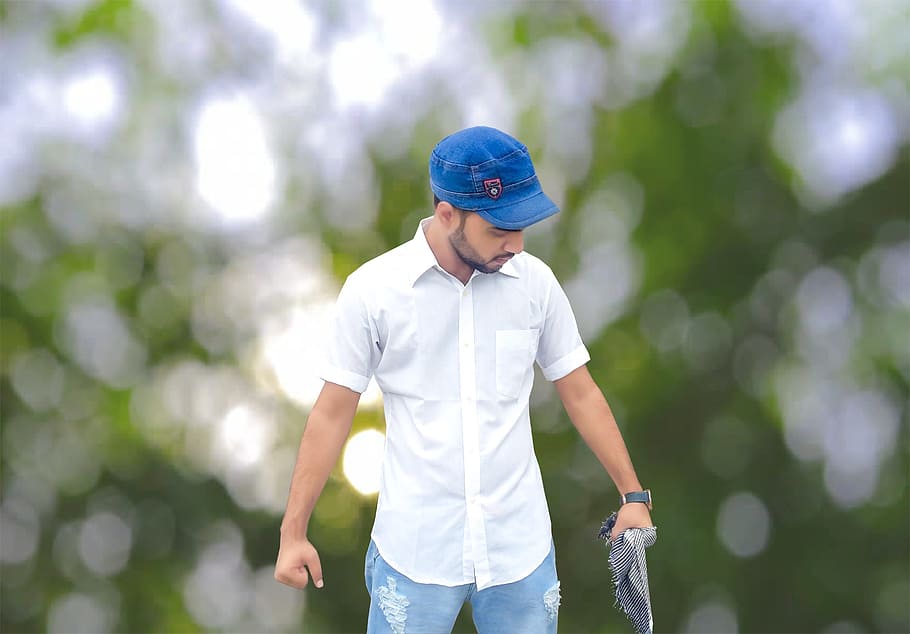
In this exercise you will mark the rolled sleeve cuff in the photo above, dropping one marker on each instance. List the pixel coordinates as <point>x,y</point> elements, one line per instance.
<point>566,364</point>
<point>350,380</point>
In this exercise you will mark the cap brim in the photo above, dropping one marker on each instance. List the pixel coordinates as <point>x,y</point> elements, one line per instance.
<point>521,214</point>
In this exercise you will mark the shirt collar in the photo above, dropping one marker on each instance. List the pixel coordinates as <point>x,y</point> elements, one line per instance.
<point>423,258</point>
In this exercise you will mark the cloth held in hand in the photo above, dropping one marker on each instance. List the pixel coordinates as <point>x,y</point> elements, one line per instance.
<point>630,571</point>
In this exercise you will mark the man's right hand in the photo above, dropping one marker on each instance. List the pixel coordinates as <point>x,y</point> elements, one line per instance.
<point>295,557</point>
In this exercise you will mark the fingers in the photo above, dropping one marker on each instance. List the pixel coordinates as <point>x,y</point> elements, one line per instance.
<point>295,569</point>
<point>293,576</point>
<point>315,567</point>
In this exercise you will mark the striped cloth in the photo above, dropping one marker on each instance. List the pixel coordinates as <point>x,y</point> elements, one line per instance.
<point>630,571</point>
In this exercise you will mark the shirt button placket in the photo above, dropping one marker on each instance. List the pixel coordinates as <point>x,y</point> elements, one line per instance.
<point>475,550</point>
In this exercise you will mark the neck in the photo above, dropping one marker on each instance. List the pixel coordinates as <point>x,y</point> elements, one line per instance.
<point>439,243</point>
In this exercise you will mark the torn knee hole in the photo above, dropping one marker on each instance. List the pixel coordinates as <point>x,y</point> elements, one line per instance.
<point>393,604</point>
<point>551,601</point>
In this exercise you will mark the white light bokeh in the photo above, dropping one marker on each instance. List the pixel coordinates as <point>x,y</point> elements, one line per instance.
<point>648,38</point>
<point>857,440</point>
<point>92,98</point>
<point>362,462</point>
<point>236,172</point>
<point>105,541</point>
<point>335,83</point>
<point>99,339</point>
<point>395,40</point>
<point>837,140</point>
<point>824,300</point>
<point>894,274</point>
<point>243,436</point>
<point>288,23</point>
<point>292,348</point>
<point>275,605</point>
<point>38,378</point>
<point>843,130</point>
<point>78,613</point>
<point>744,524</point>
<point>712,617</point>
<point>20,528</point>
<point>603,234</point>
<point>217,591</point>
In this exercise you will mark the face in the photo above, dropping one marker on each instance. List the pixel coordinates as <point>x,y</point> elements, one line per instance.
<point>483,246</point>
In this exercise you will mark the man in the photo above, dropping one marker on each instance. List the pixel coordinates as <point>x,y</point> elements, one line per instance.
<point>450,324</point>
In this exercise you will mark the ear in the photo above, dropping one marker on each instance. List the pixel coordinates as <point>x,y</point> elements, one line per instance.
<point>446,214</point>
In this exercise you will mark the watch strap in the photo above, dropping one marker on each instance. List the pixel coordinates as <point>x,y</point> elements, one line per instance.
<point>637,496</point>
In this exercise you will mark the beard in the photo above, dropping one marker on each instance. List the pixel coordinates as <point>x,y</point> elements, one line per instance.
<point>466,252</point>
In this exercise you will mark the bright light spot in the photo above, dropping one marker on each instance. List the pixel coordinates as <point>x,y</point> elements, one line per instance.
<point>411,29</point>
<point>92,98</point>
<point>288,22</point>
<point>243,436</point>
<point>361,71</point>
<point>362,462</point>
<point>858,438</point>
<point>743,525</point>
<point>292,349</point>
<point>837,140</point>
<point>235,170</point>
<point>402,37</point>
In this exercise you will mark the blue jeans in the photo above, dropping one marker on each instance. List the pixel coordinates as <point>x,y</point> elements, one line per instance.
<point>399,605</point>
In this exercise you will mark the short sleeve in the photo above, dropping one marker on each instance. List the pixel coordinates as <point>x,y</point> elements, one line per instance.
<point>351,352</point>
<point>560,349</point>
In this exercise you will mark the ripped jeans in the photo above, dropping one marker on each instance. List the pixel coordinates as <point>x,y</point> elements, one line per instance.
<point>399,605</point>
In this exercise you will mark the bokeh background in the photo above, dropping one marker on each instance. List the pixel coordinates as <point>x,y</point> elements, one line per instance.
<point>184,185</point>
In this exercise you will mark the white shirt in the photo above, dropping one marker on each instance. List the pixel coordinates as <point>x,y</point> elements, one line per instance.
<point>461,499</point>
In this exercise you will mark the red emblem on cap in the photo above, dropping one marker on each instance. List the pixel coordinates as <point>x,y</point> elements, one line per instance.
<point>493,188</point>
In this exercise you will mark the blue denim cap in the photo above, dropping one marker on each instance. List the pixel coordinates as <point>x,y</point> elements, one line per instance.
<point>485,170</point>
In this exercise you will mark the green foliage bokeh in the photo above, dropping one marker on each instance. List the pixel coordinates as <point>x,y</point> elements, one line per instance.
<point>720,211</point>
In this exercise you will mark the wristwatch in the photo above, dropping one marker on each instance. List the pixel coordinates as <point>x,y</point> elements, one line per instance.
<point>638,496</point>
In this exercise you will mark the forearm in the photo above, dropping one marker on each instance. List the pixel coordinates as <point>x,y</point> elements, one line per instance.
<point>320,447</point>
<point>592,417</point>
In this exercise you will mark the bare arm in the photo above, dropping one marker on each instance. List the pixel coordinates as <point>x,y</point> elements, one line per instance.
<point>591,415</point>
<point>327,427</point>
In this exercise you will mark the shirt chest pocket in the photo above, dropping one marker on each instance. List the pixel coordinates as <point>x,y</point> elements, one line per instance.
<point>515,351</point>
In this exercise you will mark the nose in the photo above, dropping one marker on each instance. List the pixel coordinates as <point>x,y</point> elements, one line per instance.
<point>515,242</point>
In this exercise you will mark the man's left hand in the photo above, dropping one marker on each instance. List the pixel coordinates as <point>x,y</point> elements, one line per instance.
<point>631,515</point>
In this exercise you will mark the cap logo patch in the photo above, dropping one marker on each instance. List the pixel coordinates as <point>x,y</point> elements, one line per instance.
<point>493,188</point>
